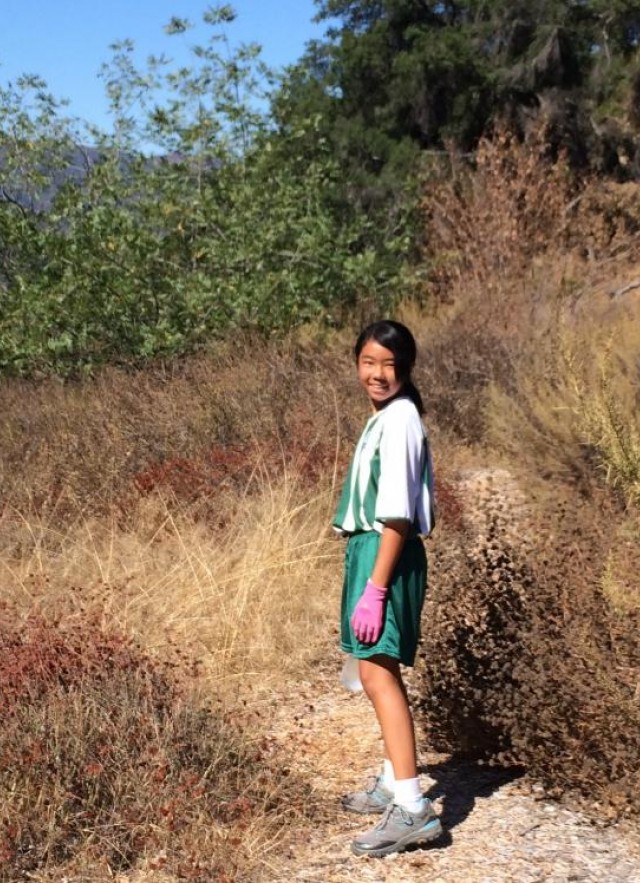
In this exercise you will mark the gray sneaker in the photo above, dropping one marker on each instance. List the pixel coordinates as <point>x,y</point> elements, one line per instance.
<point>374,799</point>
<point>397,830</point>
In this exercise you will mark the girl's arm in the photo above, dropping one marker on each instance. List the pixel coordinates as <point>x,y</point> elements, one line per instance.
<point>394,534</point>
<point>368,614</point>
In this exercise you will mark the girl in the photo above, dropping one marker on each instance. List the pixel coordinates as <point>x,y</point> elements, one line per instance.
<point>386,505</point>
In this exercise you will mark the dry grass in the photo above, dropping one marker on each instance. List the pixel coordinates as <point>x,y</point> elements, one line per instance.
<point>251,601</point>
<point>572,413</point>
<point>148,773</point>
<point>198,428</point>
<point>189,514</point>
<point>108,759</point>
<point>188,505</point>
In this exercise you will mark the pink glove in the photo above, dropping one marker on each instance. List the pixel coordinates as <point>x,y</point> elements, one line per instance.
<point>368,614</point>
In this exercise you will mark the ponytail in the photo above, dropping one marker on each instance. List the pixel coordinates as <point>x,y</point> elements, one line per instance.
<point>411,390</point>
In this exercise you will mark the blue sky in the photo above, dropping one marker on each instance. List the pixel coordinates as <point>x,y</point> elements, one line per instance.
<point>66,41</point>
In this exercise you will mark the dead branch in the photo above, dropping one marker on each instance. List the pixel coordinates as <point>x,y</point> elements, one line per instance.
<point>618,292</point>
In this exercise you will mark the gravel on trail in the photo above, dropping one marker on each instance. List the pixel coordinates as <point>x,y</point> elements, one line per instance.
<point>498,830</point>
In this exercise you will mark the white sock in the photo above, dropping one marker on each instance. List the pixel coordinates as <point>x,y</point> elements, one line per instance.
<point>408,794</point>
<point>388,777</point>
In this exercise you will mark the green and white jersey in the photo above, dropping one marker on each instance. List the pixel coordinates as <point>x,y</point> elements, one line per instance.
<point>391,475</point>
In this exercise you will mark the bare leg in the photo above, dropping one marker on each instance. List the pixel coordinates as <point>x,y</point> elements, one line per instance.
<point>382,682</point>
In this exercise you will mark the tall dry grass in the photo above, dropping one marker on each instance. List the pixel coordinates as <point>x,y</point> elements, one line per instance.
<point>71,450</point>
<point>251,602</point>
<point>110,766</point>
<point>185,514</point>
<point>188,504</point>
<point>117,759</point>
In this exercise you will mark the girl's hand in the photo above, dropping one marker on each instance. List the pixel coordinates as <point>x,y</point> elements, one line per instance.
<point>368,614</point>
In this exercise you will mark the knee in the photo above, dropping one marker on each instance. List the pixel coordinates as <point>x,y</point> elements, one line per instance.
<point>375,678</point>
<point>368,679</point>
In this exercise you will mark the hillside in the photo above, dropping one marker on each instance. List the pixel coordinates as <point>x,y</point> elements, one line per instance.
<point>179,407</point>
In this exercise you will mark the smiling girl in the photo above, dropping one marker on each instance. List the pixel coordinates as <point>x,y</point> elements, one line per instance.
<point>385,508</point>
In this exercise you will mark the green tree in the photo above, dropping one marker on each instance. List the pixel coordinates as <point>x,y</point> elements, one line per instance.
<point>233,224</point>
<point>439,72</point>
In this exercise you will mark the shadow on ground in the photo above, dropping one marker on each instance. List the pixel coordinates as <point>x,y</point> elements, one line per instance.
<point>459,783</point>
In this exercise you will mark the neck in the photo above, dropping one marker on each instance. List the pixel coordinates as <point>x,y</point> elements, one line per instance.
<point>376,407</point>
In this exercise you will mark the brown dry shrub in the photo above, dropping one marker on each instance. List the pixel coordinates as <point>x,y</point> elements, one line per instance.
<point>107,759</point>
<point>489,224</point>
<point>531,652</point>
<point>524,661</point>
<point>605,220</point>
<point>484,224</point>
<point>463,360</point>
<point>620,582</point>
<point>198,429</point>
<point>488,232</point>
<point>516,250</point>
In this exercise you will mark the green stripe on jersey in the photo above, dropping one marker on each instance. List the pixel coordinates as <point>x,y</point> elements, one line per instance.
<point>390,475</point>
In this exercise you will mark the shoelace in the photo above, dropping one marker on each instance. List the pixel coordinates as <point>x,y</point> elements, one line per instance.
<point>373,783</point>
<point>406,817</point>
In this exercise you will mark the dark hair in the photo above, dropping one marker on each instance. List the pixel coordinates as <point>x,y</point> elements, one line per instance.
<point>397,338</point>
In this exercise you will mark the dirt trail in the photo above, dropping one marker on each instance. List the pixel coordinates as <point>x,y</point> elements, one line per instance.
<point>497,830</point>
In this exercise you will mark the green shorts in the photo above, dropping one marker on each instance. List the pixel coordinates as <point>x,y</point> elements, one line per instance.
<point>401,627</point>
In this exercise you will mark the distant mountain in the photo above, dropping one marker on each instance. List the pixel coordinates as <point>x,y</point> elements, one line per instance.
<point>75,168</point>
<point>77,165</point>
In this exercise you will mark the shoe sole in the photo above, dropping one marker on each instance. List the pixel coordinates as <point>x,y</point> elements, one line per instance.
<point>431,831</point>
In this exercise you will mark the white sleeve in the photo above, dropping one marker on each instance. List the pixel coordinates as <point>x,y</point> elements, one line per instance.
<point>401,453</point>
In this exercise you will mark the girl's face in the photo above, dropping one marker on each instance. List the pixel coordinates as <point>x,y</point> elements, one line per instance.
<point>377,373</point>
